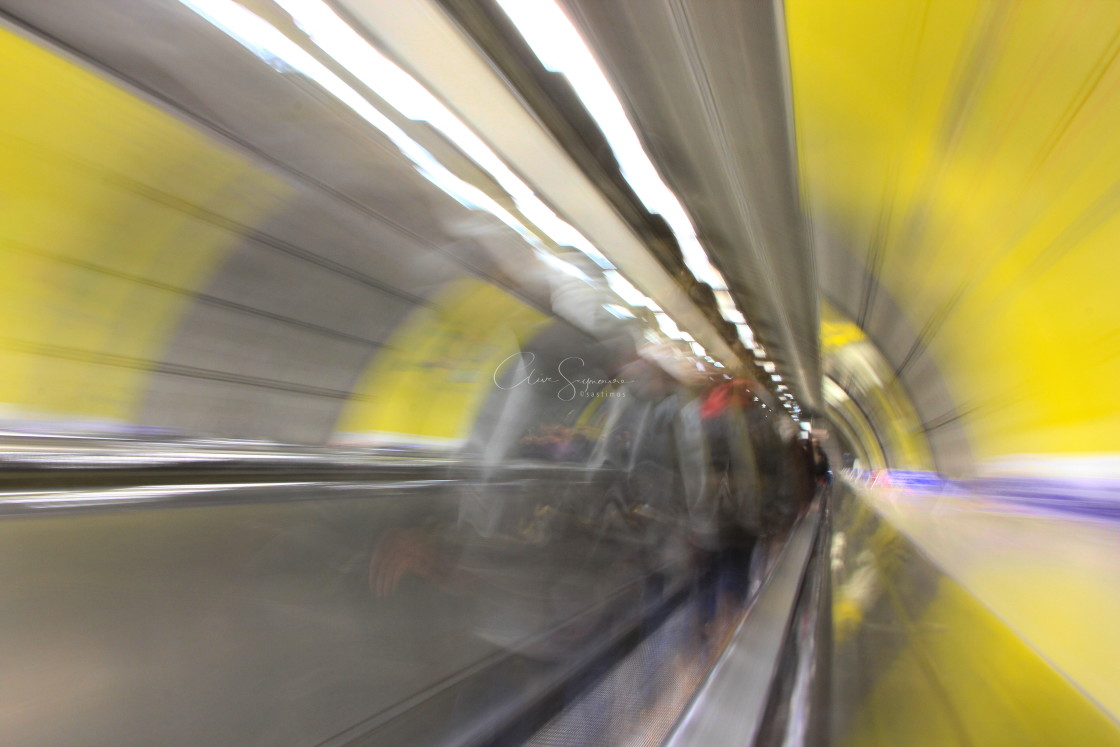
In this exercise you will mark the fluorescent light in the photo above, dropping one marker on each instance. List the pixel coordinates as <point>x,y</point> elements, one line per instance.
<point>405,94</point>
<point>561,232</point>
<point>775,377</point>
<point>401,91</point>
<point>734,316</point>
<point>769,367</point>
<point>566,267</point>
<point>620,311</point>
<point>559,47</point>
<point>725,301</point>
<point>745,334</point>
<point>280,52</point>
<point>625,290</point>
<point>668,326</point>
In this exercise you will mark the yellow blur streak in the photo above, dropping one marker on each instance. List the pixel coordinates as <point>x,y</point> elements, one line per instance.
<point>1052,579</point>
<point>849,356</point>
<point>974,142</point>
<point>98,198</point>
<point>438,366</point>
<point>964,678</point>
<point>940,667</point>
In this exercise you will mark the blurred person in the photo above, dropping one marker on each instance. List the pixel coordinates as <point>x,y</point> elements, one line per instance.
<point>822,469</point>
<point>734,502</point>
<point>529,559</point>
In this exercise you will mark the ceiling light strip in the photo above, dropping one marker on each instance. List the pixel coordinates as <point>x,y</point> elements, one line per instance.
<point>405,94</point>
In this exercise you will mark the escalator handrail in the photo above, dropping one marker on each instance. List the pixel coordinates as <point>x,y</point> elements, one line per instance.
<point>730,706</point>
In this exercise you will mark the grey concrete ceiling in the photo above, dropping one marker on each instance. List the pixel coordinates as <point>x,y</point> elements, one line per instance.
<point>706,85</point>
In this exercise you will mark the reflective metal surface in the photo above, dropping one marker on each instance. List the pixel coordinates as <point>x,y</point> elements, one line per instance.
<point>356,387</point>
<point>730,706</point>
<point>279,614</point>
<point>959,618</point>
<point>707,83</point>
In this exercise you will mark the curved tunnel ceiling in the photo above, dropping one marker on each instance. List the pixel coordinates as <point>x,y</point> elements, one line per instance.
<point>242,245</point>
<point>705,84</point>
<point>957,164</point>
<point>727,154</point>
<point>865,402</point>
<point>960,164</point>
